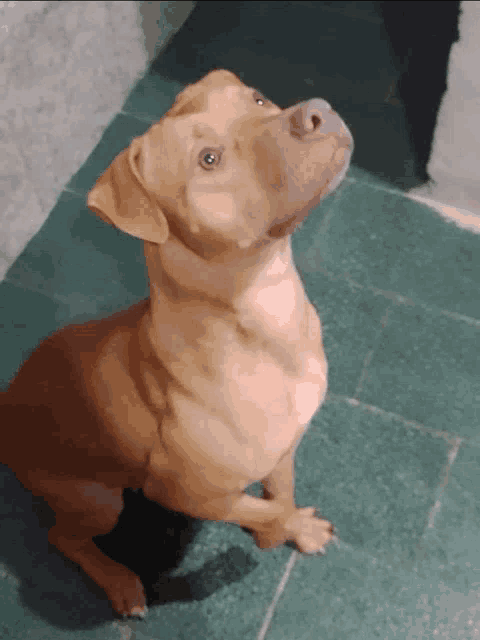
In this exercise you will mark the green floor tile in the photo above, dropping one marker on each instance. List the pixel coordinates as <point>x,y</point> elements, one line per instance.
<point>372,477</point>
<point>421,581</point>
<point>355,596</point>
<point>26,318</point>
<point>151,98</point>
<point>441,263</point>
<point>352,320</point>
<point>116,137</point>
<point>384,240</point>
<point>461,506</point>
<point>81,262</point>
<point>426,368</point>
<point>361,237</point>
<point>231,584</point>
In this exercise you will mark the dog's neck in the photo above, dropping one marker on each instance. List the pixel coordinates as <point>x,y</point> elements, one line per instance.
<point>258,298</point>
<point>180,278</point>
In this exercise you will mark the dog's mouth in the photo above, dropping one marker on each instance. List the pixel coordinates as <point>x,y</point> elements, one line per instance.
<point>295,221</point>
<point>283,229</point>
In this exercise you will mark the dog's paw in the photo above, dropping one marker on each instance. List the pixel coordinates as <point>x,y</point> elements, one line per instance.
<point>128,597</point>
<point>310,534</point>
<point>137,612</point>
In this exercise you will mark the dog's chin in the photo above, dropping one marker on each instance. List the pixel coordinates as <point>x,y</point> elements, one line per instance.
<point>295,221</point>
<point>287,227</point>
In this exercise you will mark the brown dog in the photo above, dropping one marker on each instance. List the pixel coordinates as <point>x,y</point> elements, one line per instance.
<point>209,384</point>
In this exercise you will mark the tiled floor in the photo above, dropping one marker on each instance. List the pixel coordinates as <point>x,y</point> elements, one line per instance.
<point>392,458</point>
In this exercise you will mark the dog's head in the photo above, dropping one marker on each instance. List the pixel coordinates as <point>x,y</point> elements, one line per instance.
<point>225,166</point>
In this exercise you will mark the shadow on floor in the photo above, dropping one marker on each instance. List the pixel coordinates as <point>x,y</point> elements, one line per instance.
<point>148,539</point>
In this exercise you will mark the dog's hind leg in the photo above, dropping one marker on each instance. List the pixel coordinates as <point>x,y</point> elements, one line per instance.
<point>84,509</point>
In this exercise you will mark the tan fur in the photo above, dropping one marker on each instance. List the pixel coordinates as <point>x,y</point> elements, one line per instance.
<point>208,385</point>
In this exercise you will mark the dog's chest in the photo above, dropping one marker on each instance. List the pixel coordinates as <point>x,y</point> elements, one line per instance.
<point>249,421</point>
<point>261,387</point>
<point>250,400</point>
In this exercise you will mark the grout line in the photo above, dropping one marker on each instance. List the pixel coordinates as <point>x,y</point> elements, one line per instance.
<point>452,454</point>
<point>278,593</point>
<point>457,316</point>
<point>451,439</point>
<point>132,115</point>
<point>339,544</point>
<point>398,298</point>
<point>343,546</point>
<point>74,191</point>
<point>433,512</point>
<point>364,372</point>
<point>368,358</point>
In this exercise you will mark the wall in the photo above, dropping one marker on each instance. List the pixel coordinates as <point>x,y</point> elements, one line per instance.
<point>67,67</point>
<point>454,163</point>
<point>65,71</point>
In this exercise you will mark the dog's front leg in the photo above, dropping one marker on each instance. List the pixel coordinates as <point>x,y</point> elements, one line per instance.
<point>309,533</point>
<point>279,486</point>
<point>272,522</point>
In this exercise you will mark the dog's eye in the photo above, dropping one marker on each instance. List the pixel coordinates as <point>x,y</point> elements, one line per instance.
<point>209,158</point>
<point>259,99</point>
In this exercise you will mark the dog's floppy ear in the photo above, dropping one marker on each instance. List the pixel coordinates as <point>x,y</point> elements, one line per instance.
<point>121,198</point>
